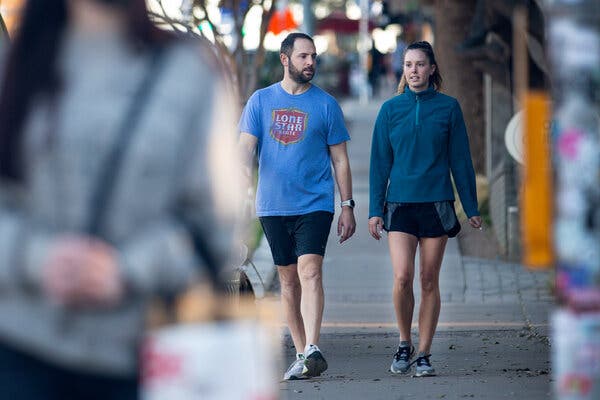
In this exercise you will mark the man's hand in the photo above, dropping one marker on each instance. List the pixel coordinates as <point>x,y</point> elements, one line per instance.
<point>376,227</point>
<point>346,224</point>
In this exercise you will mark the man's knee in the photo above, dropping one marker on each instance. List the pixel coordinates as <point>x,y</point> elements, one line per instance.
<point>311,275</point>
<point>310,268</point>
<point>288,278</point>
<point>289,285</point>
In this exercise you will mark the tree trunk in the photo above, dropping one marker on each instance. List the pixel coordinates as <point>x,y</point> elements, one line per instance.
<point>3,28</point>
<point>461,79</point>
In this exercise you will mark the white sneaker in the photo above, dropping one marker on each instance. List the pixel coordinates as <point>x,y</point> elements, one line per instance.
<point>296,369</point>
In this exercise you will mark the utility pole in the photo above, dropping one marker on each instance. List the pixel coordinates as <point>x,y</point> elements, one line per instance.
<point>364,45</point>
<point>308,22</point>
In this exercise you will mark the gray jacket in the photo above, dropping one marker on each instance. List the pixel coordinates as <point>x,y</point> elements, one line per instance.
<point>165,182</point>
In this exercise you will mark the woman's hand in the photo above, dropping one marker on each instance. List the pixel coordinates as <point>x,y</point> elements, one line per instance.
<point>376,227</point>
<point>476,222</point>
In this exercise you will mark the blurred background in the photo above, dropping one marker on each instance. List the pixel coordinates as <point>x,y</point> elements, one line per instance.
<point>527,75</point>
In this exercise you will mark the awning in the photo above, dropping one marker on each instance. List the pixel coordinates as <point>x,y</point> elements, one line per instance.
<point>338,22</point>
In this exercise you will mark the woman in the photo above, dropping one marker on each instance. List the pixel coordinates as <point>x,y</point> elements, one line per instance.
<point>107,193</point>
<point>419,141</point>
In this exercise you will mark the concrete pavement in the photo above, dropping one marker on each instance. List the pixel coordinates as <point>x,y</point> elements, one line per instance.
<point>491,341</point>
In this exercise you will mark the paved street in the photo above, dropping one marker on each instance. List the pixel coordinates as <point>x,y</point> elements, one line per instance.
<point>492,336</point>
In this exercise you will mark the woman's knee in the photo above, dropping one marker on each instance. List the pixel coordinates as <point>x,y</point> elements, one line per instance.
<point>429,282</point>
<point>403,281</point>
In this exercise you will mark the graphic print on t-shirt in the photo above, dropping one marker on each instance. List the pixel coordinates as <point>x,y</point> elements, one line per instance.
<point>288,125</point>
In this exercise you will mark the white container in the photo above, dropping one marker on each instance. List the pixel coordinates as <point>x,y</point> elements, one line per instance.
<point>230,360</point>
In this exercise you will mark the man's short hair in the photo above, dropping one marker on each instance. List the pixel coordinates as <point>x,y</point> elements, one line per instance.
<point>287,46</point>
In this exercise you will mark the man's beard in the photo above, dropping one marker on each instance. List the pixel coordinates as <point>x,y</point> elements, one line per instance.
<point>297,75</point>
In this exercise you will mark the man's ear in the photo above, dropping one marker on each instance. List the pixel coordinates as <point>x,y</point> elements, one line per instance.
<point>284,59</point>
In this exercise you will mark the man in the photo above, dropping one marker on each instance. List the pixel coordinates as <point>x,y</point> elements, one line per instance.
<point>298,131</point>
<point>397,61</point>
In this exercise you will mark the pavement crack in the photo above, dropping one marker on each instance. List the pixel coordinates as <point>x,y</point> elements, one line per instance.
<point>529,326</point>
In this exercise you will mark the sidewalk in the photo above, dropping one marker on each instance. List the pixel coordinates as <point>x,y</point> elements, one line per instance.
<point>491,341</point>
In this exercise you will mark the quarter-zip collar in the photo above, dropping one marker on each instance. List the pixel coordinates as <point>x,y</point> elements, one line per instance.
<point>420,96</point>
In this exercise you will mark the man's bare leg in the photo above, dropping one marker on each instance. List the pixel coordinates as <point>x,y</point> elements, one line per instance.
<point>291,294</point>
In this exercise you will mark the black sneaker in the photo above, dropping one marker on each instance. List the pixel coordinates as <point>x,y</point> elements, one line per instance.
<point>315,363</point>
<point>401,362</point>
<point>424,367</point>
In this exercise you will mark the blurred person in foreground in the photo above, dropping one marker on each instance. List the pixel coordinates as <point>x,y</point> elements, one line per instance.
<point>298,131</point>
<point>73,304</point>
<point>419,145</point>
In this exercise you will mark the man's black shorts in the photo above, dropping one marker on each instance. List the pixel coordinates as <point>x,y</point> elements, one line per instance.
<point>292,236</point>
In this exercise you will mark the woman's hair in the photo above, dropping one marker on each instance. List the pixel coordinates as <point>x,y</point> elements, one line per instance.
<point>436,78</point>
<point>31,70</point>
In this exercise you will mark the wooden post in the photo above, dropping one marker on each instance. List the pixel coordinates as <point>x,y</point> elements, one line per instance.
<point>536,183</point>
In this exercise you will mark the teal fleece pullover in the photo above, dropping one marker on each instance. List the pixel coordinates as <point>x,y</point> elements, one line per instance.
<point>419,140</point>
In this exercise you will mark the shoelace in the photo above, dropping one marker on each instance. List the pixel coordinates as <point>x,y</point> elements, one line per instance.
<point>421,361</point>
<point>403,353</point>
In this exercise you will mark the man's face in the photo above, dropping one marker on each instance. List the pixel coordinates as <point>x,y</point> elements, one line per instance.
<point>302,63</point>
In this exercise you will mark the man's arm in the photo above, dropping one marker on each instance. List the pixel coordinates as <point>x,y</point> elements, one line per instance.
<point>343,177</point>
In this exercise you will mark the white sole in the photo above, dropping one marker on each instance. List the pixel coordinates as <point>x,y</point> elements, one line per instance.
<point>424,374</point>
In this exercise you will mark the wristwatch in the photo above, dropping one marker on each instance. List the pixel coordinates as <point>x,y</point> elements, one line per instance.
<point>350,203</point>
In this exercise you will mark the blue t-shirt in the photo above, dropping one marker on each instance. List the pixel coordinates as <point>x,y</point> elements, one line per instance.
<point>294,134</point>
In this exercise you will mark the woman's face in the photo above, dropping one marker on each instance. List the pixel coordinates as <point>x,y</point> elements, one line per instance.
<point>417,70</point>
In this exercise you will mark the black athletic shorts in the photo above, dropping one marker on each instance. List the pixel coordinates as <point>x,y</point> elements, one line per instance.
<point>292,236</point>
<point>422,219</point>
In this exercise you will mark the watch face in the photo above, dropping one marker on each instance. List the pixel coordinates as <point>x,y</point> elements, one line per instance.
<point>350,203</point>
